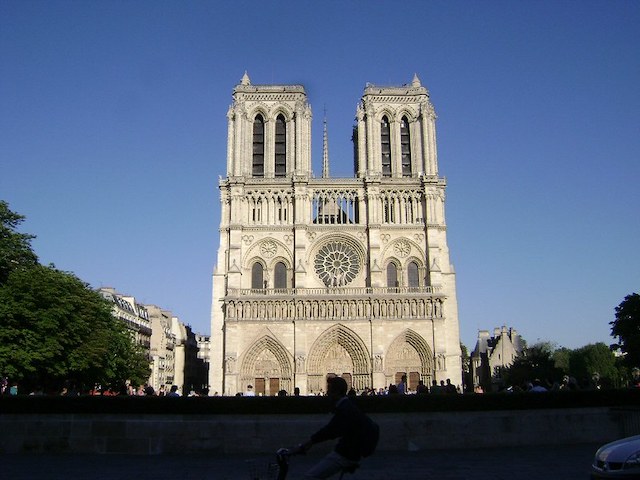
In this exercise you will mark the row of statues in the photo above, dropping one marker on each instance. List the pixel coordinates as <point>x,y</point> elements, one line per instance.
<point>360,308</point>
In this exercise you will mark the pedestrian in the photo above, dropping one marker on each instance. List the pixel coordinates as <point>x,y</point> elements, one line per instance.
<point>357,434</point>
<point>421,388</point>
<point>450,388</point>
<point>402,386</point>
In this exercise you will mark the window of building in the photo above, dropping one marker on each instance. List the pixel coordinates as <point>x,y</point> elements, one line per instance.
<point>405,147</point>
<point>281,210</point>
<point>257,276</point>
<point>413,274</point>
<point>392,275</point>
<point>385,144</point>
<point>281,147</point>
<point>258,146</point>
<point>280,276</point>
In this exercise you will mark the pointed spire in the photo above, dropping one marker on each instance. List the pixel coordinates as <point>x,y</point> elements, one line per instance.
<point>325,148</point>
<point>245,79</point>
<point>416,81</point>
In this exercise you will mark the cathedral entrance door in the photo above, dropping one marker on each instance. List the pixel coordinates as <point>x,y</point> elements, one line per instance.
<point>274,386</point>
<point>414,378</point>
<point>259,386</point>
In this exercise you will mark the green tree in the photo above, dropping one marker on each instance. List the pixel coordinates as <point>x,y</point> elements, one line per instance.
<point>626,328</point>
<point>594,363</point>
<point>467,379</point>
<point>535,362</point>
<point>15,248</point>
<point>56,328</point>
<point>561,357</point>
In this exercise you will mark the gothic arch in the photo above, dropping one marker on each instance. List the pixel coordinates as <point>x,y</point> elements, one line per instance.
<point>409,350</point>
<point>281,109</point>
<point>406,112</point>
<point>251,367</point>
<point>414,259</point>
<point>390,264</point>
<point>281,252</point>
<point>280,259</point>
<point>259,109</point>
<point>288,273</point>
<point>388,252</point>
<point>388,112</point>
<point>421,271</point>
<point>338,338</point>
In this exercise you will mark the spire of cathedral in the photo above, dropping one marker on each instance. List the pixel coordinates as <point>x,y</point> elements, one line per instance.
<point>325,148</point>
<point>416,81</point>
<point>245,79</point>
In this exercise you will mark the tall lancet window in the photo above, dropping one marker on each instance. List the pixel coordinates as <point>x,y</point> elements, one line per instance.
<point>405,147</point>
<point>280,275</point>
<point>258,146</point>
<point>281,147</point>
<point>385,144</point>
<point>257,276</point>
<point>413,274</point>
<point>392,275</point>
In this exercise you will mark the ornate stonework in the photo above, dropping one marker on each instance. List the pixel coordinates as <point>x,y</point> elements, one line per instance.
<point>332,276</point>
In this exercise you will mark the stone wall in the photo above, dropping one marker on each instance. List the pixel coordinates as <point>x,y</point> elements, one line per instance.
<point>231,434</point>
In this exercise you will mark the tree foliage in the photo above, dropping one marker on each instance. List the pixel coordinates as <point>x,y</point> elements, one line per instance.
<point>594,362</point>
<point>15,248</point>
<point>626,328</point>
<point>54,327</point>
<point>535,362</point>
<point>561,358</point>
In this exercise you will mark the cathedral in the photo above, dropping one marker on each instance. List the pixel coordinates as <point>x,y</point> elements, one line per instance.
<point>319,276</point>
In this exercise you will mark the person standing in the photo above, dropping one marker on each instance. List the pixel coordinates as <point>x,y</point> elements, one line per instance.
<point>402,386</point>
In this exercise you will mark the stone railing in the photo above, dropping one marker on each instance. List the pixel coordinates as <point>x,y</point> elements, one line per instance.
<point>333,291</point>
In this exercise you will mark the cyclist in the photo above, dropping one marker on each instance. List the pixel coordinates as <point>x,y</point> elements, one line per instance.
<point>357,434</point>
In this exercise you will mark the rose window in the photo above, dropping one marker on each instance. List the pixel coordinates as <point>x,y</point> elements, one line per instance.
<point>268,248</point>
<point>337,264</point>
<point>402,248</point>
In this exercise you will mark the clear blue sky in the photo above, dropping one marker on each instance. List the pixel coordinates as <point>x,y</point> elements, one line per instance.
<point>113,135</point>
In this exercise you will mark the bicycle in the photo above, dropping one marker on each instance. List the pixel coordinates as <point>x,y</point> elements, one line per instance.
<point>282,461</point>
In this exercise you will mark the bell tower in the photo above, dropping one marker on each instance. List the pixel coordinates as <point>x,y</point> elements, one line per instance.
<point>395,132</point>
<point>269,132</point>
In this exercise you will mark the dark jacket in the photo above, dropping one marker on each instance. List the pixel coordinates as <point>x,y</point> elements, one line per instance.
<point>349,425</point>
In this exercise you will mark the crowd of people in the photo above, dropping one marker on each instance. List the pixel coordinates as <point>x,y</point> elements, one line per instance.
<point>70,389</point>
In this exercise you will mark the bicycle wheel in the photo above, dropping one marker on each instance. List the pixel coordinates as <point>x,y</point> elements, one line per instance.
<point>262,469</point>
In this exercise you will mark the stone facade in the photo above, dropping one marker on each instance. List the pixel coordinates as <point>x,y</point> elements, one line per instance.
<point>320,276</point>
<point>133,314</point>
<point>163,348</point>
<point>491,354</point>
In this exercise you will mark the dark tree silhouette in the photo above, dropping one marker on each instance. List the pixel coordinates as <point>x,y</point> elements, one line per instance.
<point>626,329</point>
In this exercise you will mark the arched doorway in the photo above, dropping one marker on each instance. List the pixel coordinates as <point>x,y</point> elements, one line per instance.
<point>339,351</point>
<point>267,366</point>
<point>409,355</point>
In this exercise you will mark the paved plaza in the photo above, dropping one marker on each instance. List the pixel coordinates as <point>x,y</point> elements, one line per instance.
<point>566,462</point>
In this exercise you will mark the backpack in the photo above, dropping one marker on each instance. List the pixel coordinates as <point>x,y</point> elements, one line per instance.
<point>371,435</point>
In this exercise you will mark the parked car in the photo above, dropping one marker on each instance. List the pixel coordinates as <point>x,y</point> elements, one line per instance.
<point>619,459</point>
